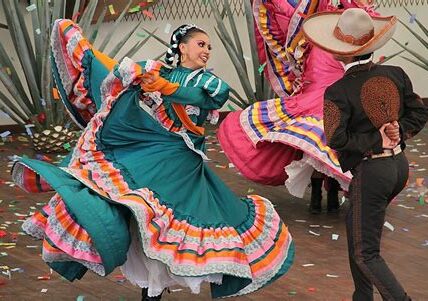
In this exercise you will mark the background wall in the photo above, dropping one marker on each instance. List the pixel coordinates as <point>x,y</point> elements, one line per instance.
<point>220,61</point>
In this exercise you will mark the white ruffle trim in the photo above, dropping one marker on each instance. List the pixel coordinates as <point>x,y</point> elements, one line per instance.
<point>155,275</point>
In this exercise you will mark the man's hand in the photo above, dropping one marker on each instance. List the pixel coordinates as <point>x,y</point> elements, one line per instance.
<point>392,130</point>
<point>387,141</point>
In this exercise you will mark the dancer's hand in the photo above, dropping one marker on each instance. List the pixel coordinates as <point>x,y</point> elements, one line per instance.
<point>152,82</point>
<point>392,130</point>
<point>387,142</point>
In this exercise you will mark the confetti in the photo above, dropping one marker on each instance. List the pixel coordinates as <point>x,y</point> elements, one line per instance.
<point>412,18</point>
<point>38,31</point>
<point>134,9</point>
<point>389,226</point>
<point>167,28</point>
<point>232,109</point>
<point>31,7</point>
<point>261,68</point>
<point>308,265</point>
<point>335,236</point>
<point>148,14</point>
<point>44,290</point>
<point>332,276</point>
<point>300,220</point>
<point>5,134</point>
<point>314,233</point>
<point>111,9</point>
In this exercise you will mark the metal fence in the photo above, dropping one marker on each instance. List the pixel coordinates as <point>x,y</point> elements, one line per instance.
<point>186,9</point>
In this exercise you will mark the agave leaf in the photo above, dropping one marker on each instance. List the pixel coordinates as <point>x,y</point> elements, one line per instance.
<point>137,47</point>
<point>37,39</point>
<point>6,62</point>
<point>389,57</point>
<point>10,113</point>
<point>424,66</point>
<point>412,52</point>
<point>9,85</point>
<point>245,82</point>
<point>421,26</point>
<point>223,33</point>
<point>87,16</point>
<point>76,9</point>
<point>235,34</point>
<point>25,32</point>
<point>116,23</point>
<point>237,102</point>
<point>23,52</point>
<point>13,107</point>
<point>160,56</point>
<point>156,37</point>
<point>97,26</point>
<point>254,57</point>
<point>125,39</point>
<point>27,40</point>
<point>238,97</point>
<point>58,10</point>
<point>46,77</point>
<point>425,43</point>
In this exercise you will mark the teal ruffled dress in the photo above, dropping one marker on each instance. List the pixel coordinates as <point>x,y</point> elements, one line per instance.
<point>136,191</point>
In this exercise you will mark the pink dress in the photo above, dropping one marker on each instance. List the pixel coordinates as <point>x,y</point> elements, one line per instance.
<point>281,140</point>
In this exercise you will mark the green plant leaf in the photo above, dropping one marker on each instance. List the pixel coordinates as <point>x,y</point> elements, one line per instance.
<point>116,25</point>
<point>133,50</point>
<point>423,66</point>
<point>97,26</point>
<point>412,52</point>
<point>245,82</point>
<point>421,26</point>
<point>156,37</point>
<point>125,39</point>
<point>417,36</point>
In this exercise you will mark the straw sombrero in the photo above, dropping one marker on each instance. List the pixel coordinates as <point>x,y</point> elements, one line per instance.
<point>351,32</point>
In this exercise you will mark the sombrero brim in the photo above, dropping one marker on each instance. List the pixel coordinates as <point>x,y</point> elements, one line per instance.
<point>319,27</point>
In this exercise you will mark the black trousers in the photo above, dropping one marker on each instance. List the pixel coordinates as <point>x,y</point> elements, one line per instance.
<point>375,183</point>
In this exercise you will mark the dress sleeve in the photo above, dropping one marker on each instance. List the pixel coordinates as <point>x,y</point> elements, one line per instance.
<point>78,70</point>
<point>208,92</point>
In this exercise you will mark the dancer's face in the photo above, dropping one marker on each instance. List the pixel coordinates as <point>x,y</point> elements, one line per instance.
<point>195,52</point>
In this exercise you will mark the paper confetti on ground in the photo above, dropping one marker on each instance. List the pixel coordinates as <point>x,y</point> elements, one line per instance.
<point>389,226</point>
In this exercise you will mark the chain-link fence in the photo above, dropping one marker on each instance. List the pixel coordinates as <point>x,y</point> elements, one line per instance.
<point>186,9</point>
<point>398,3</point>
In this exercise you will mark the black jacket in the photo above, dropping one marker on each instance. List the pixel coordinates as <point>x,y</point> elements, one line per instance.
<point>364,99</point>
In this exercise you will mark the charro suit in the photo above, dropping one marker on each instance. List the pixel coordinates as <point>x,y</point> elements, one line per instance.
<point>355,107</point>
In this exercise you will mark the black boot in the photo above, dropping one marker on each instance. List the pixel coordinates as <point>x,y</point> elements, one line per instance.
<point>145,296</point>
<point>316,196</point>
<point>333,196</point>
<point>144,292</point>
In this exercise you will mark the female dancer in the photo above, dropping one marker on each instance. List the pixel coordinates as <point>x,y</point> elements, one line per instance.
<point>136,191</point>
<point>282,140</point>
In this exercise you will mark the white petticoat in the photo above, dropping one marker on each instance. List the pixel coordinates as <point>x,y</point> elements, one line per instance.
<point>145,272</point>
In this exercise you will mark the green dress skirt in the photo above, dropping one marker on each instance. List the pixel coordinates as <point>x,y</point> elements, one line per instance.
<point>136,191</point>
